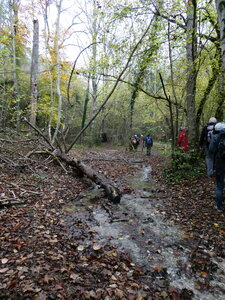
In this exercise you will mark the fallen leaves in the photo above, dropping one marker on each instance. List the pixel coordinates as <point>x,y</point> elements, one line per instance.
<point>96,247</point>
<point>80,248</point>
<point>47,278</point>
<point>4,270</point>
<point>40,260</point>
<point>4,260</point>
<point>75,276</point>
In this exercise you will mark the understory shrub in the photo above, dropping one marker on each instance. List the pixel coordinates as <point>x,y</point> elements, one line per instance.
<point>183,165</point>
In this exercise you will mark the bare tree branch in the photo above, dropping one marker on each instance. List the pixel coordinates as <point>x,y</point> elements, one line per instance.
<point>39,132</point>
<point>72,71</point>
<point>113,88</point>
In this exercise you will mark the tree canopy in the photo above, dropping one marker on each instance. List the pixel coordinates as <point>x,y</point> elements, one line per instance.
<point>113,67</point>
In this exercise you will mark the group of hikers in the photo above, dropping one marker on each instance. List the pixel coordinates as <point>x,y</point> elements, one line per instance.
<point>137,140</point>
<point>212,142</point>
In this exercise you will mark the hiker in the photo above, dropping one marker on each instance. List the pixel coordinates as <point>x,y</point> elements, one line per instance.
<point>204,142</point>
<point>217,148</point>
<point>137,137</point>
<point>142,142</point>
<point>148,144</point>
<point>183,139</point>
<point>133,143</point>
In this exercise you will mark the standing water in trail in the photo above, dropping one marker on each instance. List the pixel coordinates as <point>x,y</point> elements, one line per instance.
<point>137,227</point>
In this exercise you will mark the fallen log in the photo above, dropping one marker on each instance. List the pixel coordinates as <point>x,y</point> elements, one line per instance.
<point>112,192</point>
<point>10,202</point>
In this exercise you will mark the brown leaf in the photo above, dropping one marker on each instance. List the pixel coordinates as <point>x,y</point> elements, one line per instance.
<point>119,293</point>
<point>28,288</point>
<point>4,270</point>
<point>110,291</point>
<point>11,284</point>
<point>41,296</point>
<point>99,294</point>
<point>74,276</point>
<point>47,278</point>
<point>111,254</point>
<point>134,284</point>
<point>63,270</point>
<point>36,269</point>
<point>96,247</point>
<point>204,274</point>
<point>159,268</point>
<point>90,294</point>
<point>80,248</point>
<point>22,269</point>
<point>30,255</point>
<point>53,241</point>
<point>4,260</point>
<point>59,286</point>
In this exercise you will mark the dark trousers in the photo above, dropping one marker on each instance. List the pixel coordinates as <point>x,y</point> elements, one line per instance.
<point>148,149</point>
<point>220,170</point>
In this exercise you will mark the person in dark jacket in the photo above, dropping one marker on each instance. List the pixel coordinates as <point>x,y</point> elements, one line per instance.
<point>148,144</point>
<point>219,164</point>
<point>204,144</point>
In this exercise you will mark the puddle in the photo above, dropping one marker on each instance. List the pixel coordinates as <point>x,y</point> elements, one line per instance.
<point>137,226</point>
<point>142,180</point>
<point>84,200</point>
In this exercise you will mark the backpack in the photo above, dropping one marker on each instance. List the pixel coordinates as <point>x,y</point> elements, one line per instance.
<point>133,140</point>
<point>148,140</point>
<point>221,146</point>
<point>210,129</point>
<point>137,139</point>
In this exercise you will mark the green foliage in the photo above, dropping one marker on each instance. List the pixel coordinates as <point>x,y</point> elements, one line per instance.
<point>184,165</point>
<point>150,113</point>
<point>92,140</point>
<point>164,149</point>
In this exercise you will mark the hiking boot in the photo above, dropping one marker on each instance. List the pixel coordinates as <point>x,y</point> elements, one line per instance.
<point>219,209</point>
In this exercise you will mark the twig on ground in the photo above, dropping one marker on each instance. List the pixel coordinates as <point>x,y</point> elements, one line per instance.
<point>10,202</point>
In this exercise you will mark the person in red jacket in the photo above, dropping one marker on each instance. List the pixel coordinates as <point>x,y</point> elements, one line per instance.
<point>183,140</point>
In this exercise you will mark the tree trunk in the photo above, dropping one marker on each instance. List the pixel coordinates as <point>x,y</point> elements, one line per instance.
<point>47,50</point>
<point>94,81</point>
<point>174,120</point>
<point>191,50</point>
<point>220,6</point>
<point>13,24</point>
<point>34,74</point>
<point>221,91</point>
<point>214,77</point>
<point>58,71</point>
<point>86,101</point>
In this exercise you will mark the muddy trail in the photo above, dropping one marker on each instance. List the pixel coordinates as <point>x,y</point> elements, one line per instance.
<point>64,239</point>
<point>139,226</point>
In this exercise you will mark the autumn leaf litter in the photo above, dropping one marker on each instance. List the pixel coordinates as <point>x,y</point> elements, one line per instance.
<point>40,259</point>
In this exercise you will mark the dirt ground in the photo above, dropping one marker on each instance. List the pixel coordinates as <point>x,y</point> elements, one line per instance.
<point>42,253</point>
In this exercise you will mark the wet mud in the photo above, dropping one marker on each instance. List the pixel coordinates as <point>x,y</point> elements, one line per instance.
<point>138,227</point>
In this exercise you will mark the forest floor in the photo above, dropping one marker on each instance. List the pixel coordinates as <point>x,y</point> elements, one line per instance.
<point>53,244</point>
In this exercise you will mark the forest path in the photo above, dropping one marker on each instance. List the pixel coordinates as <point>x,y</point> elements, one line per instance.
<point>64,238</point>
<point>138,226</point>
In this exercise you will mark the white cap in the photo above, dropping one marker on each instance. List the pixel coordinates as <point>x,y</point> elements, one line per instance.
<point>212,120</point>
<point>220,126</point>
